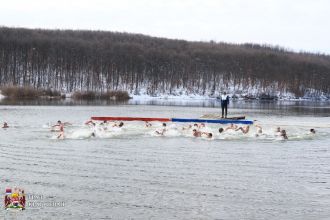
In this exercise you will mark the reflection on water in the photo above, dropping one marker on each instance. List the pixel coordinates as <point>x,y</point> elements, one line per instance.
<point>284,107</point>
<point>296,107</point>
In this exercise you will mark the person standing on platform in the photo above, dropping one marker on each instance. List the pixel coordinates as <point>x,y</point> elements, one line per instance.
<point>224,104</point>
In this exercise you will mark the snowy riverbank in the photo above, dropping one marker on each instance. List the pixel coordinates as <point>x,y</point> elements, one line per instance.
<point>252,93</point>
<point>184,95</point>
<point>289,97</point>
<point>1,96</point>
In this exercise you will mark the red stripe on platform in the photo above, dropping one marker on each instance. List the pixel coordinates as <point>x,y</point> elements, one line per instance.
<point>128,119</point>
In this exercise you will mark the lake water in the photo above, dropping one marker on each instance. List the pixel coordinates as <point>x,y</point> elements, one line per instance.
<point>134,174</point>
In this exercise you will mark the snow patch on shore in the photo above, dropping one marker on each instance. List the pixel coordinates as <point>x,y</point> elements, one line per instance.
<point>251,93</point>
<point>1,96</point>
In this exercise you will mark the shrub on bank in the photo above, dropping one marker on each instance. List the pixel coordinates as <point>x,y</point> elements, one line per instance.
<point>27,92</point>
<point>84,95</point>
<point>51,93</point>
<point>115,95</point>
<point>110,95</point>
<point>15,92</point>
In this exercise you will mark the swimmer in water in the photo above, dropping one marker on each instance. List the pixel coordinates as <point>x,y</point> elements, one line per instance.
<point>186,128</point>
<point>163,130</point>
<point>245,129</point>
<point>93,127</point>
<point>202,125</point>
<point>283,135</point>
<point>278,132</point>
<point>199,134</point>
<point>148,124</point>
<point>259,130</point>
<point>5,125</point>
<point>103,126</point>
<point>209,135</point>
<point>59,123</point>
<point>61,131</point>
<point>121,124</point>
<point>221,130</point>
<point>231,127</point>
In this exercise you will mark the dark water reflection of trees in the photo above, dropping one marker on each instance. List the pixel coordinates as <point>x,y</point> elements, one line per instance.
<point>320,108</point>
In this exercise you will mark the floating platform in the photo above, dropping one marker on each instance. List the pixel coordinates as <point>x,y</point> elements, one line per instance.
<point>218,116</point>
<point>216,121</point>
<point>192,120</point>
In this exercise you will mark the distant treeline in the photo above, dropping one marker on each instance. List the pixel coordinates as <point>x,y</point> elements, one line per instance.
<point>67,60</point>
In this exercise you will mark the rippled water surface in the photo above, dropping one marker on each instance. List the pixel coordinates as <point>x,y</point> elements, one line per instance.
<point>134,174</point>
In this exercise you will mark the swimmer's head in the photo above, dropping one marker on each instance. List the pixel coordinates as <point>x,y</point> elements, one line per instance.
<point>164,124</point>
<point>195,125</point>
<point>278,129</point>
<point>121,124</point>
<point>312,130</point>
<point>209,135</point>
<point>104,121</point>
<point>59,122</point>
<point>220,130</point>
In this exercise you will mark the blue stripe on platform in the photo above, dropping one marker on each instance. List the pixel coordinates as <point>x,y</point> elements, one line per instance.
<point>219,121</point>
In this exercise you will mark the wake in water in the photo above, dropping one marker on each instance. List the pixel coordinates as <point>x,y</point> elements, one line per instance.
<point>92,129</point>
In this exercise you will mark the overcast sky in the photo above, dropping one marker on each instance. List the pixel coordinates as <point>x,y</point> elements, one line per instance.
<point>294,24</point>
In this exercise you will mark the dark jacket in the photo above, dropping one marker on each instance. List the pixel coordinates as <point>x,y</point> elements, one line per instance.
<point>224,99</point>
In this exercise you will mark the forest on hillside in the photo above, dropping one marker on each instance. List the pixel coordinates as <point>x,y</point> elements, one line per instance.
<point>69,61</point>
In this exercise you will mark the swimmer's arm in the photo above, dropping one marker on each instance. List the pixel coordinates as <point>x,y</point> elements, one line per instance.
<point>88,122</point>
<point>243,130</point>
<point>161,133</point>
<point>258,126</point>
